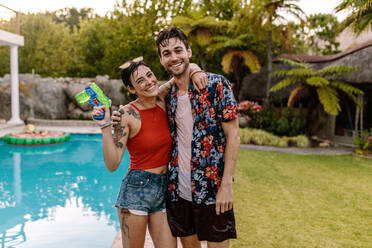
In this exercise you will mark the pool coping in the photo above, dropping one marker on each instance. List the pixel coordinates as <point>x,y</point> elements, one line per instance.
<point>69,126</point>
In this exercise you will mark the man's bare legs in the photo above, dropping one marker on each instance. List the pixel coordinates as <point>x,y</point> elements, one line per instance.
<point>223,244</point>
<point>160,232</point>
<point>133,229</point>
<point>191,241</point>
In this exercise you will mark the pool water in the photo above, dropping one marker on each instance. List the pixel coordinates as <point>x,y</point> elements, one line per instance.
<point>58,195</point>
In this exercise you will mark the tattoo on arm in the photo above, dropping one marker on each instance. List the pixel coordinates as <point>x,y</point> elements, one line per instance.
<point>133,113</point>
<point>119,132</point>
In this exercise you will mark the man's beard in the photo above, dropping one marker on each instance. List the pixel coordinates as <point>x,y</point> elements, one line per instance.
<point>180,72</point>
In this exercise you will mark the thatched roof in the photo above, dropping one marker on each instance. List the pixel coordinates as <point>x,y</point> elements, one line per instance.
<point>361,56</point>
<point>323,59</point>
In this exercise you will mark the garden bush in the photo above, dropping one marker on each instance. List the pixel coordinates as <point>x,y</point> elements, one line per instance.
<point>261,137</point>
<point>283,122</point>
<point>363,143</point>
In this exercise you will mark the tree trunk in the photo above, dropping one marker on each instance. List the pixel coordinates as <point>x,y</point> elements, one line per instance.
<point>269,65</point>
<point>310,108</point>
<point>238,69</point>
<point>201,58</point>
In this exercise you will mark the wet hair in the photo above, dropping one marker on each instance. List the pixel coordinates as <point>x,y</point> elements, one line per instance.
<point>127,72</point>
<point>162,39</point>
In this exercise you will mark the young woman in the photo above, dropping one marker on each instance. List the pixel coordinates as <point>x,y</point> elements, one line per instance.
<point>144,131</point>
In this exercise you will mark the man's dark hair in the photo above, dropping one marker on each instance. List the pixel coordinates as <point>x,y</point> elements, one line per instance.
<point>127,72</point>
<point>162,39</point>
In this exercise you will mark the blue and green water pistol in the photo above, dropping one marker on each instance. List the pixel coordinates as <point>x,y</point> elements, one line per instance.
<point>95,96</point>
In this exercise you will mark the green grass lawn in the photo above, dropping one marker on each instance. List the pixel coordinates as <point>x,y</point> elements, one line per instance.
<point>286,200</point>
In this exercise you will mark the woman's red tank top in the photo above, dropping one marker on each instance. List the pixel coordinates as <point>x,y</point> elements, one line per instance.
<point>151,146</point>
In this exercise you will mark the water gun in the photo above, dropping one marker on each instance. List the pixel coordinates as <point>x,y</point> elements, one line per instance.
<point>95,96</point>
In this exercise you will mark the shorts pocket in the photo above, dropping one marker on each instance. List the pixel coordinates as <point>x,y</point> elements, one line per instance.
<point>137,182</point>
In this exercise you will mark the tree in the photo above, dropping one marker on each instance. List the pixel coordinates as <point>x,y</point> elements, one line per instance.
<point>270,12</point>
<point>71,16</point>
<point>199,28</point>
<point>323,34</point>
<point>236,55</point>
<point>91,43</point>
<point>47,46</point>
<point>319,86</point>
<point>360,18</point>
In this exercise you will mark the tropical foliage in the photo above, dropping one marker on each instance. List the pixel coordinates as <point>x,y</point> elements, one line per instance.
<point>363,143</point>
<point>79,43</point>
<point>268,12</point>
<point>319,85</point>
<point>264,138</point>
<point>323,33</point>
<point>360,18</point>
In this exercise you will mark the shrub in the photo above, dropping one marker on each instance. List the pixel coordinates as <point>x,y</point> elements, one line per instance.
<point>261,137</point>
<point>249,109</point>
<point>284,123</point>
<point>363,143</point>
<point>302,141</point>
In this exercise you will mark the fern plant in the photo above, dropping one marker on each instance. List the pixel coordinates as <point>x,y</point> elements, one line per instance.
<point>317,83</point>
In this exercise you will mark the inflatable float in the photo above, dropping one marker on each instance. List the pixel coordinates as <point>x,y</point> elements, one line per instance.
<point>41,137</point>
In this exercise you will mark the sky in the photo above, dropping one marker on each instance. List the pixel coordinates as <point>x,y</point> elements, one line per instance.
<point>103,6</point>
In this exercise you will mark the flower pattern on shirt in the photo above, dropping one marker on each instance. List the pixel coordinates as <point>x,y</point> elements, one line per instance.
<point>214,105</point>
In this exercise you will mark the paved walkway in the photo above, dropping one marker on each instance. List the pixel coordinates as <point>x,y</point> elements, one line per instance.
<point>70,126</point>
<point>148,242</point>
<point>304,151</point>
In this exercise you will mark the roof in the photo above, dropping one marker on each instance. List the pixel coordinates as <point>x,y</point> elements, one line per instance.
<point>321,59</point>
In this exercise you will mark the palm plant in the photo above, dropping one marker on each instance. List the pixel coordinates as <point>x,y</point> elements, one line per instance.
<point>360,18</point>
<point>270,13</point>
<point>236,55</point>
<point>319,85</point>
<point>199,29</point>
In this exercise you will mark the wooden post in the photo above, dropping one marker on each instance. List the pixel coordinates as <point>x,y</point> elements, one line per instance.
<point>356,120</point>
<point>18,26</point>
<point>361,113</point>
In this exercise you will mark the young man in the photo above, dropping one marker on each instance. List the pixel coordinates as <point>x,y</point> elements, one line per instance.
<point>205,136</point>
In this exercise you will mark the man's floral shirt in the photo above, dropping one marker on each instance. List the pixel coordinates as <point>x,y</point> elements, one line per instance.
<point>214,105</point>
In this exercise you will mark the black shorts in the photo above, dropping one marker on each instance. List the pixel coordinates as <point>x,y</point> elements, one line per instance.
<point>186,218</point>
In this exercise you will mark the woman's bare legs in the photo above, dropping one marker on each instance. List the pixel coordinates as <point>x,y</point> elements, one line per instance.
<point>160,232</point>
<point>133,229</point>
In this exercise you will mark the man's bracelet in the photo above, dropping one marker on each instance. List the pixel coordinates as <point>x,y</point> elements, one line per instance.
<point>194,72</point>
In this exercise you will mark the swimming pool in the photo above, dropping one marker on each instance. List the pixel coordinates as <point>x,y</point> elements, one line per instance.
<point>58,195</point>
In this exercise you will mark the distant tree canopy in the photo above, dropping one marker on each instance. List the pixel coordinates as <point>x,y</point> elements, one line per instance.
<point>323,33</point>
<point>79,43</point>
<point>71,16</point>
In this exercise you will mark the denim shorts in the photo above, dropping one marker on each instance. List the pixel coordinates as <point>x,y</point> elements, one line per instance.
<point>142,192</point>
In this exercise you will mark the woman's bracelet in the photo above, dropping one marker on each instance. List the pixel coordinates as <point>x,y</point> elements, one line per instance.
<point>106,124</point>
<point>194,72</point>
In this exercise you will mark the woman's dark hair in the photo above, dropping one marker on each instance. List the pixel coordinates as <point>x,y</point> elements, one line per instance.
<point>164,35</point>
<point>127,72</point>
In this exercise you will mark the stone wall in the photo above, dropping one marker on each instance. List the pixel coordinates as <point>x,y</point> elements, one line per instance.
<point>53,98</point>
